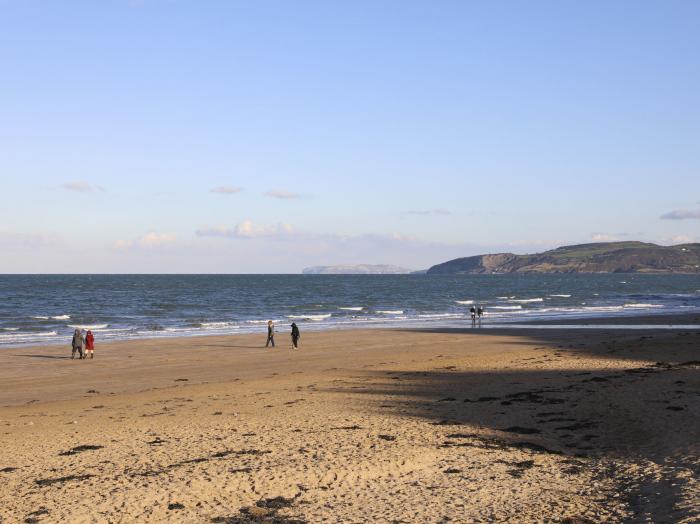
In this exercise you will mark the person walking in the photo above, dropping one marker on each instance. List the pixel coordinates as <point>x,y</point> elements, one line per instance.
<point>270,334</point>
<point>480,313</point>
<point>295,336</point>
<point>77,344</point>
<point>472,311</point>
<point>89,344</point>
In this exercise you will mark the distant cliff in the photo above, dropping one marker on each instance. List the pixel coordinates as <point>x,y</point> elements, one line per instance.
<point>357,269</point>
<point>607,257</point>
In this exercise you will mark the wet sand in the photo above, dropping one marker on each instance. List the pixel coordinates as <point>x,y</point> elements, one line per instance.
<point>430,425</point>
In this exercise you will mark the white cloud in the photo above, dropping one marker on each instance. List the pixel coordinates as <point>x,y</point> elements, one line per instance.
<point>681,239</point>
<point>153,239</point>
<point>226,190</point>
<point>426,212</point>
<point>682,214</point>
<point>149,240</point>
<point>81,187</point>
<point>677,239</point>
<point>604,237</point>
<point>247,229</point>
<point>282,194</point>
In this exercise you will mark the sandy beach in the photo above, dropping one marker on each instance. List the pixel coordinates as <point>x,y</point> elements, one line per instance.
<point>430,425</point>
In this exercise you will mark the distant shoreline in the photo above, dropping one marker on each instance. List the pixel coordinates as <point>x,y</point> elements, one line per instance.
<point>663,320</point>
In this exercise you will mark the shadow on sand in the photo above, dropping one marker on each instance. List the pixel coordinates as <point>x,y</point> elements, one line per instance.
<point>60,357</point>
<point>556,400</point>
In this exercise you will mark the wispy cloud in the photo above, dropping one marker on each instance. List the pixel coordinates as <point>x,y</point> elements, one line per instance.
<point>226,190</point>
<point>426,212</point>
<point>282,194</point>
<point>681,239</point>
<point>604,237</point>
<point>149,240</point>
<point>10,239</point>
<point>682,214</point>
<point>247,229</point>
<point>81,187</point>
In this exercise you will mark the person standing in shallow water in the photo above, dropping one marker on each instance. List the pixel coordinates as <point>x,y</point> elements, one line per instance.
<point>77,344</point>
<point>89,344</point>
<point>295,336</point>
<point>270,334</point>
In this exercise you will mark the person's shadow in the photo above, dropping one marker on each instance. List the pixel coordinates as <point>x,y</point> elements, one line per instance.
<point>44,356</point>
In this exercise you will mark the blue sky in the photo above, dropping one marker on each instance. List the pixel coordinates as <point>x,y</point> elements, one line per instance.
<point>182,136</point>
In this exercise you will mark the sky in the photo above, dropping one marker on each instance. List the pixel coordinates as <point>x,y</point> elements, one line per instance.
<point>182,136</point>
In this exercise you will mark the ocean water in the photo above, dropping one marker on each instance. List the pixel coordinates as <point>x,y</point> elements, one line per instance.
<point>45,309</point>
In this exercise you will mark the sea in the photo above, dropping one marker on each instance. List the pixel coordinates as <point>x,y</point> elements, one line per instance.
<point>45,309</point>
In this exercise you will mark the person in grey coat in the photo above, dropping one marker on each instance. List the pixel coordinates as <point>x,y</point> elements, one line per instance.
<point>77,344</point>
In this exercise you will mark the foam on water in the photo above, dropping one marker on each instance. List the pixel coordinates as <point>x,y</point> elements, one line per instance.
<point>310,317</point>
<point>507,308</point>
<point>218,325</point>
<point>643,306</point>
<point>19,338</point>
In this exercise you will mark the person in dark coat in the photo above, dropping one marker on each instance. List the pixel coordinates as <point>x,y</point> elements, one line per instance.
<point>270,334</point>
<point>77,344</point>
<point>295,336</point>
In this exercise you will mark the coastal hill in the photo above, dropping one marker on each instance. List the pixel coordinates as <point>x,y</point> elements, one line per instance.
<point>605,257</point>
<point>356,269</point>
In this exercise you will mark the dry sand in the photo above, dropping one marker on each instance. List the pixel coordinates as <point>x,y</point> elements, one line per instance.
<point>356,426</point>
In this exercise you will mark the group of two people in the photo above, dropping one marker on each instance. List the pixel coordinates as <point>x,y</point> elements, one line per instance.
<point>271,335</point>
<point>476,312</point>
<point>83,344</point>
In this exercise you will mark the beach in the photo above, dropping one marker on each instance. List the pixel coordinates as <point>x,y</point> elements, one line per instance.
<point>381,425</point>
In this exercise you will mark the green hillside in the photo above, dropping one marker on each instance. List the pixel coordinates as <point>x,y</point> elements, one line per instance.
<point>603,257</point>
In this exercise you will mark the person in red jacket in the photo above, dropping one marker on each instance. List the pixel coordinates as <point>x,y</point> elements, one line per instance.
<point>90,344</point>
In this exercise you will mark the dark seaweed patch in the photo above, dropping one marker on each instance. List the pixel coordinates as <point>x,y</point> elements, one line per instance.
<point>79,449</point>
<point>61,480</point>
